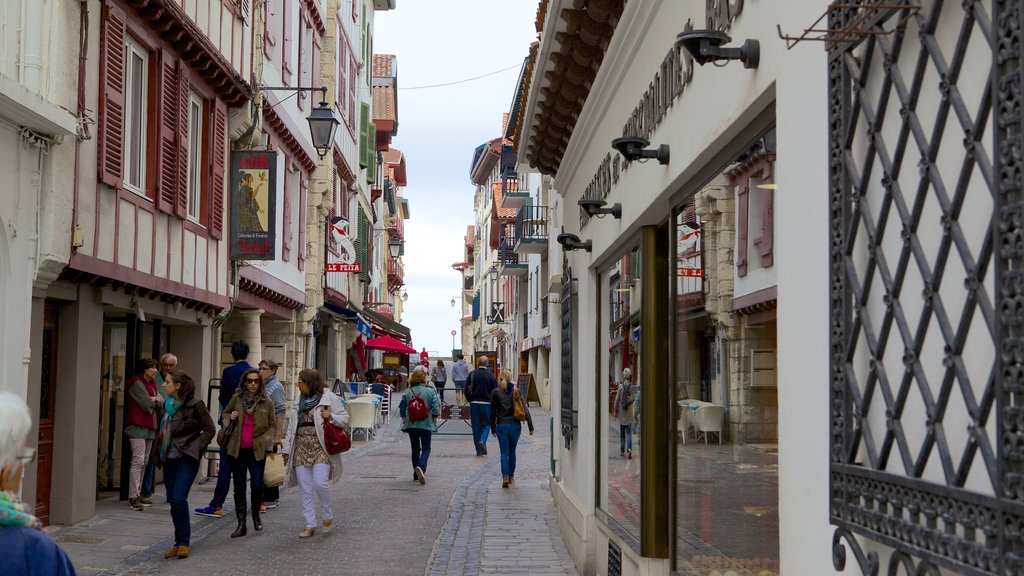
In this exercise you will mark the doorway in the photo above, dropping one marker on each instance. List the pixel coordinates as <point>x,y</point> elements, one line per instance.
<point>47,402</point>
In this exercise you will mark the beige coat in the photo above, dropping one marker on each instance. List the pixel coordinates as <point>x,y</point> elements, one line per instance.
<point>339,418</point>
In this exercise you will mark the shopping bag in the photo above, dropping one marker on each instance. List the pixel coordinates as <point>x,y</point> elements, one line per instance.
<point>273,471</point>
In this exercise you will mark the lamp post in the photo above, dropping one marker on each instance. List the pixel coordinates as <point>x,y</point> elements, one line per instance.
<point>322,121</point>
<point>395,247</point>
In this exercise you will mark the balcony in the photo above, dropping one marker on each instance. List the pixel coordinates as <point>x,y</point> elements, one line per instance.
<point>509,262</point>
<point>514,190</point>
<point>531,230</point>
<point>396,275</point>
<point>395,226</point>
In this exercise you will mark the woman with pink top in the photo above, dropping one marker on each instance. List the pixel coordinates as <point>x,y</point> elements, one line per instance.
<point>250,427</point>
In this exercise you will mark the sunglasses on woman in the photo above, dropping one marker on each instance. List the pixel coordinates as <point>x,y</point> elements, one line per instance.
<point>252,379</point>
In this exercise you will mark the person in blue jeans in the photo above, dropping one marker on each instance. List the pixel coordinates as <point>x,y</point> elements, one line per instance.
<point>186,429</point>
<point>168,364</point>
<point>478,390</point>
<point>229,379</point>
<point>505,426</point>
<point>419,431</point>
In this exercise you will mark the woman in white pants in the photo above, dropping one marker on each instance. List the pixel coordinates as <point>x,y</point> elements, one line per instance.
<point>309,464</point>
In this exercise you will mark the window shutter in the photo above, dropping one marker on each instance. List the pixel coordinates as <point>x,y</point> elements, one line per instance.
<point>371,151</point>
<point>286,228</point>
<point>243,9</point>
<point>364,135</point>
<point>286,43</point>
<point>764,243</point>
<point>112,76</point>
<point>167,132</point>
<point>742,226</point>
<point>301,218</point>
<point>352,73</point>
<point>181,184</point>
<point>363,249</point>
<point>302,72</point>
<point>220,150</point>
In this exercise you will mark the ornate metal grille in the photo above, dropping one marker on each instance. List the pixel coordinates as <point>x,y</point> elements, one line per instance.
<point>568,396</point>
<point>927,288</point>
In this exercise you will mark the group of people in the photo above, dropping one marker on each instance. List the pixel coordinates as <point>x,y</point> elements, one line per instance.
<point>492,409</point>
<point>172,430</point>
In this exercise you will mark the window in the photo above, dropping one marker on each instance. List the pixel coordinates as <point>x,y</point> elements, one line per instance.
<point>136,86</point>
<point>195,156</point>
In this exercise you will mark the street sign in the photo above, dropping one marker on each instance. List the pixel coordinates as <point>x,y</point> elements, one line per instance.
<point>497,315</point>
<point>454,332</point>
<point>339,267</point>
<point>690,272</point>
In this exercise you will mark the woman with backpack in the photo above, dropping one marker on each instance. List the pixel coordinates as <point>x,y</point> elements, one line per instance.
<point>624,409</point>
<point>418,409</point>
<point>508,411</point>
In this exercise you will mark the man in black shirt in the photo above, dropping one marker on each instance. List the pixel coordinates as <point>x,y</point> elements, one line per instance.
<point>478,389</point>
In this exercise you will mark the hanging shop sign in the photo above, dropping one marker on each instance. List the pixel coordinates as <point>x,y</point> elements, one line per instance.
<point>253,205</point>
<point>340,267</point>
<point>345,261</point>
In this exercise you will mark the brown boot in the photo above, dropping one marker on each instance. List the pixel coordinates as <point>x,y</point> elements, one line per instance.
<point>171,553</point>
<point>182,551</point>
<point>504,481</point>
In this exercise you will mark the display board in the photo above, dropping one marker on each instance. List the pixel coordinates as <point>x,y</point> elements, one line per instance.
<point>527,388</point>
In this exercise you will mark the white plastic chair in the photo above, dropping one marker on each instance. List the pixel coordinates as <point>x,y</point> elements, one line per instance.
<point>361,416</point>
<point>709,418</point>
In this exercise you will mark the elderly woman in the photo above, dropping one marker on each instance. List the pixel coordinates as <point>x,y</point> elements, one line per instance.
<point>249,430</point>
<point>140,427</point>
<point>186,429</point>
<point>24,547</point>
<point>308,463</point>
<point>419,431</point>
<point>505,426</point>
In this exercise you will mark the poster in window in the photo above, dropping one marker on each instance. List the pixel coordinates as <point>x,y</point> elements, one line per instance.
<point>253,225</point>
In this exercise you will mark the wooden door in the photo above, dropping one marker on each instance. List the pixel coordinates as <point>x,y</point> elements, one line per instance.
<point>47,401</point>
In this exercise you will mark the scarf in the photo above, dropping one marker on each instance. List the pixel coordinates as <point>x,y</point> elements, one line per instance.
<point>171,406</point>
<point>307,403</point>
<point>249,402</point>
<point>14,513</point>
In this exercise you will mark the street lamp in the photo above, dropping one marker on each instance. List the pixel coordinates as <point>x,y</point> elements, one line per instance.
<point>405,296</point>
<point>453,303</point>
<point>322,121</point>
<point>395,247</point>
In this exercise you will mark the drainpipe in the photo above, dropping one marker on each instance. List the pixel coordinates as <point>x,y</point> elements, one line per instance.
<point>31,59</point>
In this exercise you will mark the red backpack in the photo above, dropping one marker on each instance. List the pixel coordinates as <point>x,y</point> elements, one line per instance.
<point>418,409</point>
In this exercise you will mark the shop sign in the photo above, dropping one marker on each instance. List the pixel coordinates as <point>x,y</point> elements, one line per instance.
<point>689,272</point>
<point>364,328</point>
<point>346,259</point>
<point>253,205</point>
<point>340,267</point>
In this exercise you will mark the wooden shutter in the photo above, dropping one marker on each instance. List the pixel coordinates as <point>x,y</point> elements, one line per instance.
<point>286,43</point>
<point>364,135</point>
<point>302,68</point>
<point>286,219</point>
<point>112,77</point>
<point>352,73</point>
<point>742,226</point>
<point>371,150</point>
<point>764,243</point>
<point>364,247</point>
<point>167,132</point>
<point>342,64</point>
<point>301,217</point>
<point>184,101</point>
<point>220,150</point>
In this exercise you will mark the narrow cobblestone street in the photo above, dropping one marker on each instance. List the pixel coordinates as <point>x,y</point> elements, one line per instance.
<point>460,522</point>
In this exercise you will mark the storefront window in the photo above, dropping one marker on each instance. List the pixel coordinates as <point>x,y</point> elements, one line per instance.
<point>726,491</point>
<point>620,322</point>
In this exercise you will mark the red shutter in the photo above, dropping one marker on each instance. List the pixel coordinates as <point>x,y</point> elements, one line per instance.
<point>286,44</point>
<point>167,132</point>
<point>112,76</point>
<point>220,150</point>
<point>353,72</point>
<point>742,226</point>
<point>286,219</point>
<point>301,75</point>
<point>181,186</point>
<point>301,217</point>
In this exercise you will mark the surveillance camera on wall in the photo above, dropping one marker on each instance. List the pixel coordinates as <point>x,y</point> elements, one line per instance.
<point>634,148</point>
<point>571,242</point>
<point>706,46</point>
<point>595,207</point>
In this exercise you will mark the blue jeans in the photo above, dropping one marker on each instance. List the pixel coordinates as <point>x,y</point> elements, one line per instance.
<point>179,474</point>
<point>625,438</point>
<point>508,437</point>
<point>247,461</point>
<point>480,419</point>
<point>420,442</point>
<point>220,491</point>
<point>147,478</point>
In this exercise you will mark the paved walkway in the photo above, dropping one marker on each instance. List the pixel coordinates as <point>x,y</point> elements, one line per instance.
<point>460,522</point>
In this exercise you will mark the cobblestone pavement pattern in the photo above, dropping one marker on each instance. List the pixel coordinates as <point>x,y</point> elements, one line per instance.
<point>460,523</point>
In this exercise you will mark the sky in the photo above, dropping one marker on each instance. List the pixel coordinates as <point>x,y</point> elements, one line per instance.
<point>442,42</point>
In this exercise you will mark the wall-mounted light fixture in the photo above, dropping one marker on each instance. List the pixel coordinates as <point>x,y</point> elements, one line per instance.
<point>634,148</point>
<point>706,46</point>
<point>572,242</point>
<point>395,247</point>
<point>405,296</point>
<point>594,207</point>
<point>322,121</point>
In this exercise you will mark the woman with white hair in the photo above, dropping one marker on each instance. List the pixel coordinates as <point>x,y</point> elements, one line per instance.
<point>24,547</point>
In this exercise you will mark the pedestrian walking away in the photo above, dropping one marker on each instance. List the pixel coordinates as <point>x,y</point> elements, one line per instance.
<point>186,429</point>
<point>307,461</point>
<point>247,442</point>
<point>275,391</point>
<point>479,386</point>
<point>460,373</point>
<point>624,412</point>
<point>439,376</point>
<point>24,548</point>
<point>229,379</point>
<point>419,427</point>
<point>140,427</point>
<point>506,426</point>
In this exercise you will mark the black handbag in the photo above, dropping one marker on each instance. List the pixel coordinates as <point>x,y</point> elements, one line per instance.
<point>225,433</point>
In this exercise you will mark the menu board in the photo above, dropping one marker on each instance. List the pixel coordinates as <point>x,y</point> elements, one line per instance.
<point>527,388</point>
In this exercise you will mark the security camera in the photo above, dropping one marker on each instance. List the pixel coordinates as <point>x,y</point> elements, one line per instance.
<point>706,46</point>
<point>596,207</point>
<point>633,148</point>
<point>571,242</point>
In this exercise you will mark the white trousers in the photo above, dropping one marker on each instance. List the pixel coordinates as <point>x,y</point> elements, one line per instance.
<point>140,453</point>
<point>315,479</point>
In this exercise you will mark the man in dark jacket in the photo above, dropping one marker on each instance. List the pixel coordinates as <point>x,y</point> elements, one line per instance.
<point>478,390</point>
<point>229,379</point>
